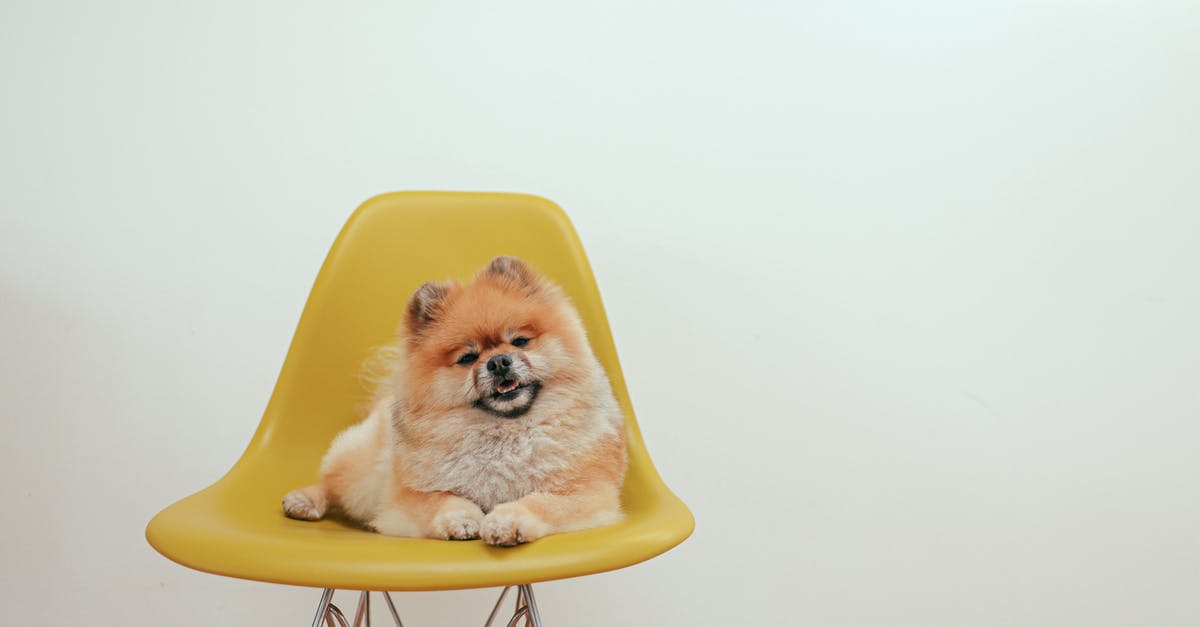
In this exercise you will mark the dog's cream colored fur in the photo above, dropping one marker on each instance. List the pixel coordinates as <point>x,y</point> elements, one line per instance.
<point>436,457</point>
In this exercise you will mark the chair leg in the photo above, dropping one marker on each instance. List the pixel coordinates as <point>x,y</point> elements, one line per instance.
<point>335,615</point>
<point>531,605</point>
<point>525,608</point>
<point>329,613</point>
<point>362,615</point>
<point>496,610</point>
<point>323,607</point>
<point>387,596</point>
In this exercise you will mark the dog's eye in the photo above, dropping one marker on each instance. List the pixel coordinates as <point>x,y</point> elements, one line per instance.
<point>521,341</point>
<point>467,359</point>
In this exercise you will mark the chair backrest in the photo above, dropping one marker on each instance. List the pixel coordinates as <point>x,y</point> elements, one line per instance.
<point>391,245</point>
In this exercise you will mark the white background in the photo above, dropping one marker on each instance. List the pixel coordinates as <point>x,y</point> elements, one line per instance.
<point>906,293</point>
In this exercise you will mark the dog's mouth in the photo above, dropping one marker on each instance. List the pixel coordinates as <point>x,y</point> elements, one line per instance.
<point>510,398</point>
<point>507,387</point>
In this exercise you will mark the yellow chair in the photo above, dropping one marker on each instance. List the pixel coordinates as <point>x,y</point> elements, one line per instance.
<point>387,248</point>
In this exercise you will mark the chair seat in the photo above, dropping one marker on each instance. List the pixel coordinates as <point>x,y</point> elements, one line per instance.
<point>237,528</point>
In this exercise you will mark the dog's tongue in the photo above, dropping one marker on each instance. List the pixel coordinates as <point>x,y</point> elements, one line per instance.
<point>507,386</point>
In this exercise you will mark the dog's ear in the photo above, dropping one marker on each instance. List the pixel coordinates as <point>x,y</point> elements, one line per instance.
<point>513,273</point>
<point>424,306</point>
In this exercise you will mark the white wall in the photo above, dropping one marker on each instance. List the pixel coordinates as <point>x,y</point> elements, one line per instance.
<point>906,292</point>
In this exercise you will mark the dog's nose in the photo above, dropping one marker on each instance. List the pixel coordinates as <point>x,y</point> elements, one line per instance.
<point>499,364</point>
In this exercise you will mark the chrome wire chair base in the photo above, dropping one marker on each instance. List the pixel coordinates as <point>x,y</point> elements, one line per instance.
<point>525,609</point>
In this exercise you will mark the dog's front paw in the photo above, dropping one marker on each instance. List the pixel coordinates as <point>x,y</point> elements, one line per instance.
<point>458,523</point>
<point>511,524</point>
<point>304,504</point>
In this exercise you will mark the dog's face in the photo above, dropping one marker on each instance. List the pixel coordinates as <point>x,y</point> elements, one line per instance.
<point>493,345</point>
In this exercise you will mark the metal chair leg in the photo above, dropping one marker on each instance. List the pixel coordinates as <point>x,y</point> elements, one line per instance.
<point>524,609</point>
<point>519,610</point>
<point>387,596</point>
<point>335,615</point>
<point>496,609</point>
<point>362,615</point>
<point>531,603</point>
<point>332,616</point>
<point>323,607</point>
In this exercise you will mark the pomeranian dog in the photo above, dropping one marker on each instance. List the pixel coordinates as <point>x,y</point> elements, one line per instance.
<point>497,422</point>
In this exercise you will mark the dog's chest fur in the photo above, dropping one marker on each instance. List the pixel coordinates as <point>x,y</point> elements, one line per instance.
<point>494,460</point>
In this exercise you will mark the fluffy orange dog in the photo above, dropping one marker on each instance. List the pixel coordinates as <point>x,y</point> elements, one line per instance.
<point>498,422</point>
